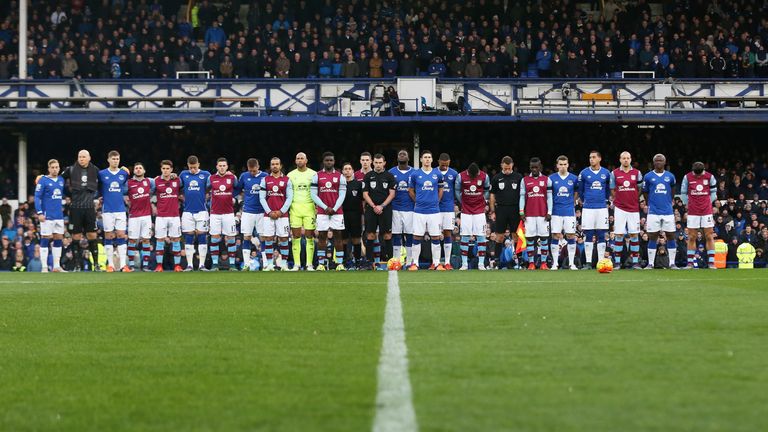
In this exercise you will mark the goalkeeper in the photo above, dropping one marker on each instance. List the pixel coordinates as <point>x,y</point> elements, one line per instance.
<point>302,213</point>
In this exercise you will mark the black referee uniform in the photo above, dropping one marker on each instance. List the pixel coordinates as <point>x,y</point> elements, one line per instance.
<point>378,186</point>
<point>506,193</point>
<point>83,183</point>
<point>353,210</point>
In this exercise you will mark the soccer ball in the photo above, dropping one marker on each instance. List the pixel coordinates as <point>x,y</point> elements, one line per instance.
<point>605,265</point>
<point>394,264</point>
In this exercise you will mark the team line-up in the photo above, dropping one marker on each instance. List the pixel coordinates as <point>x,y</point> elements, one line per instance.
<point>395,208</point>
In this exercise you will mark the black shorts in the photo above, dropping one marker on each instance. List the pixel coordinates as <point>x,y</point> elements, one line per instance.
<point>83,220</point>
<point>507,217</point>
<point>383,221</point>
<point>353,225</point>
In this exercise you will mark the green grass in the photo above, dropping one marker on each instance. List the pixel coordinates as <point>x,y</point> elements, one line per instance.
<point>492,351</point>
<point>584,352</point>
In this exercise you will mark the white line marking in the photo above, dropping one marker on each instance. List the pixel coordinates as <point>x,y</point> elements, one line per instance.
<point>394,405</point>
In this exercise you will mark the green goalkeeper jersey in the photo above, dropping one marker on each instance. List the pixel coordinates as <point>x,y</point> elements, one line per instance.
<point>302,199</point>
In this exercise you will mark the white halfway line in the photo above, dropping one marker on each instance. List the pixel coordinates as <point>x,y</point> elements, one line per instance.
<point>394,404</point>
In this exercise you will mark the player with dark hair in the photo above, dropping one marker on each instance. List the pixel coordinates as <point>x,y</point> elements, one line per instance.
<point>223,186</point>
<point>276,195</point>
<point>402,209</point>
<point>426,191</point>
<point>699,194</point>
<point>378,192</point>
<point>328,190</point>
<point>658,187</point>
<point>168,222</point>
<point>472,188</point>
<point>536,207</point>
<point>353,214</point>
<point>594,192</point>
<point>140,190</point>
<point>563,212</point>
<point>447,203</point>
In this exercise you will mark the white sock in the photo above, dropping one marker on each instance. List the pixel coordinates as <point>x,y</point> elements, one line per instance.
<point>44,258</point>
<point>202,250</point>
<point>651,257</point>
<point>56,257</point>
<point>672,255</point>
<point>600,250</point>
<point>555,251</point>
<point>189,251</point>
<point>435,254</point>
<point>246,257</point>
<point>109,250</point>
<point>571,253</point>
<point>122,252</point>
<point>447,251</point>
<point>409,254</point>
<point>588,251</point>
<point>397,252</point>
<point>415,252</point>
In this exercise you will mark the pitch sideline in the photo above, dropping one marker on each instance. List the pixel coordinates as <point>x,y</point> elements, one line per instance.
<point>394,402</point>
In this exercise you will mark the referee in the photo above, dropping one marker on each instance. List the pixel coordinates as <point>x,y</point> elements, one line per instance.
<point>353,214</point>
<point>378,192</point>
<point>83,184</point>
<point>504,203</point>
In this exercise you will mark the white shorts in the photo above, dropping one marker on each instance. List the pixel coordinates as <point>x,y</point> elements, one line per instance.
<point>191,222</point>
<point>625,222</point>
<point>402,222</point>
<point>427,223</point>
<point>592,219</point>
<point>114,221</point>
<point>274,227</point>
<point>223,224</point>
<point>536,226</point>
<point>656,223</point>
<point>50,227</point>
<point>326,222</point>
<point>140,227</point>
<point>250,222</point>
<point>696,222</point>
<point>473,224</point>
<point>447,221</point>
<point>563,223</point>
<point>167,226</point>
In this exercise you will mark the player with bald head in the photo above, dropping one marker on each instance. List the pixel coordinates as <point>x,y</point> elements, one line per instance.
<point>626,185</point>
<point>302,215</point>
<point>658,188</point>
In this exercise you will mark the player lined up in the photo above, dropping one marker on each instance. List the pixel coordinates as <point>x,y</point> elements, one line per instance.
<point>398,208</point>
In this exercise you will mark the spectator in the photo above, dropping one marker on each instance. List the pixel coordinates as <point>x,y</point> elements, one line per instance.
<point>473,69</point>
<point>226,68</point>
<point>375,66</point>
<point>350,69</point>
<point>68,66</point>
<point>215,36</point>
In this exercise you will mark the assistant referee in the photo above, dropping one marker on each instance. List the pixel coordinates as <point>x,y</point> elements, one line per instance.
<point>378,192</point>
<point>504,203</point>
<point>83,184</point>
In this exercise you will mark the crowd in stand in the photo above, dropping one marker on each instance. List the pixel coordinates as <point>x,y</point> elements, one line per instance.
<point>130,39</point>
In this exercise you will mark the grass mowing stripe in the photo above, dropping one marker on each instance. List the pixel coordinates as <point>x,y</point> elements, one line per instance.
<point>394,404</point>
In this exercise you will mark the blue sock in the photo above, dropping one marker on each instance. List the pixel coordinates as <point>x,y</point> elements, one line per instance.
<point>201,239</point>
<point>176,248</point>
<point>57,243</point>
<point>652,244</point>
<point>247,245</point>
<point>120,241</point>
<point>189,239</point>
<point>231,251</point>
<point>671,244</point>
<point>44,243</point>
<point>601,235</point>
<point>397,240</point>
<point>465,250</point>
<point>408,240</point>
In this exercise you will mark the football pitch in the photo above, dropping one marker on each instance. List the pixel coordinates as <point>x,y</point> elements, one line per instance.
<point>486,351</point>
